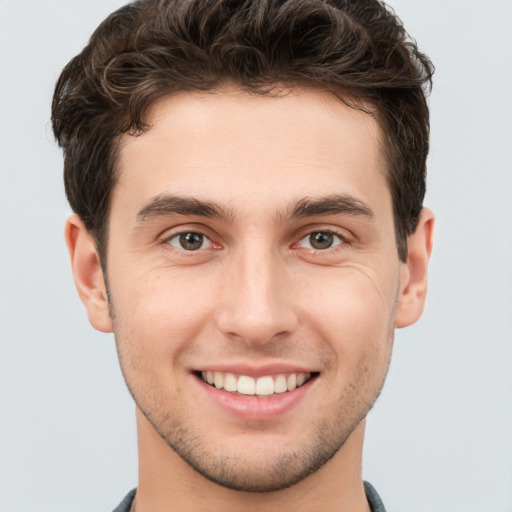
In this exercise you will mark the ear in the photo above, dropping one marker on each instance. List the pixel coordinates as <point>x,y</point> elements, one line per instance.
<point>87,272</point>
<point>413,274</point>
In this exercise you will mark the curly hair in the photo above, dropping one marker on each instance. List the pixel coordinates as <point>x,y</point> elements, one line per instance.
<point>358,49</point>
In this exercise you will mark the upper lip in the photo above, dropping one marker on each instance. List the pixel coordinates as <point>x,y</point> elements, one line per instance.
<point>255,370</point>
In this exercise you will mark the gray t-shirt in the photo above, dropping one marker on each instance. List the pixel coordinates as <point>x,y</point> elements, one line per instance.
<point>373,498</point>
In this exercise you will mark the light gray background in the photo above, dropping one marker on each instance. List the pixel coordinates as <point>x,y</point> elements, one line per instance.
<point>439,439</point>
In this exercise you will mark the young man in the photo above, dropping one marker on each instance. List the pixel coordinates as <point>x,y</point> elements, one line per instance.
<point>247,180</point>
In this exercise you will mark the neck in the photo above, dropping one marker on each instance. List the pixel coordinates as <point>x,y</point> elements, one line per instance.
<point>169,484</point>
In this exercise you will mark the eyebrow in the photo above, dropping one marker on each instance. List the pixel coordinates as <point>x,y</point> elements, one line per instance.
<point>163,205</point>
<point>331,205</point>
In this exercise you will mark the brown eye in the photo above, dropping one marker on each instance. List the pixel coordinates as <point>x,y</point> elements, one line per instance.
<point>189,241</point>
<point>321,240</point>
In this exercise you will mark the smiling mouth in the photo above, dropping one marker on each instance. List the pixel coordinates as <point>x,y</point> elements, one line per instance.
<point>264,386</point>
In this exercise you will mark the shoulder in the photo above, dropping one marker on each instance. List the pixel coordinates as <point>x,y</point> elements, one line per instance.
<point>126,504</point>
<point>373,498</point>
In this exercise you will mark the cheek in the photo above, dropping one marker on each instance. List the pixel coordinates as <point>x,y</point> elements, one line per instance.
<point>354,315</point>
<point>351,298</point>
<point>160,313</point>
<point>356,327</point>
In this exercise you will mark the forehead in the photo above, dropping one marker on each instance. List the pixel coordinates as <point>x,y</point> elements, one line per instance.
<point>236,147</point>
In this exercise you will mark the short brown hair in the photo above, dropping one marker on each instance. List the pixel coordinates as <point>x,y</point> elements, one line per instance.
<point>357,49</point>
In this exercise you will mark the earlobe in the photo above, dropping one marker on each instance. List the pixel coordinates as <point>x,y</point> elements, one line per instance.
<point>414,272</point>
<point>88,274</point>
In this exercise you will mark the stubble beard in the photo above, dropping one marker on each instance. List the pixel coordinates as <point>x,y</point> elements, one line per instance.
<point>249,475</point>
<point>283,470</point>
<point>257,474</point>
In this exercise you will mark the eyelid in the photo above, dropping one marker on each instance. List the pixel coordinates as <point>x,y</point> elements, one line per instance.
<point>206,241</point>
<point>345,234</point>
<point>182,229</point>
<point>341,239</point>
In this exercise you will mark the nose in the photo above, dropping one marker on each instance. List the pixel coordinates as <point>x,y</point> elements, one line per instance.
<point>256,303</point>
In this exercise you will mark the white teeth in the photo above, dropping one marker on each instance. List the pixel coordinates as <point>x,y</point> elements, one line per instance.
<point>246,385</point>
<point>218,380</point>
<point>263,386</point>
<point>280,384</point>
<point>291,383</point>
<point>301,378</point>
<point>230,382</point>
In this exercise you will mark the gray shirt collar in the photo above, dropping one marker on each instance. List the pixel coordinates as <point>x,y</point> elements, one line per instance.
<point>373,498</point>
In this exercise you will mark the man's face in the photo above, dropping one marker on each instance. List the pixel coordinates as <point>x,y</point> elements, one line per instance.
<point>251,241</point>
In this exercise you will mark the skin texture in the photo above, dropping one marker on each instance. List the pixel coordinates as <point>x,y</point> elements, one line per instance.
<point>256,293</point>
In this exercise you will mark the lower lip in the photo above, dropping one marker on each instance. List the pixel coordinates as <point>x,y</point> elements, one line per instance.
<point>253,408</point>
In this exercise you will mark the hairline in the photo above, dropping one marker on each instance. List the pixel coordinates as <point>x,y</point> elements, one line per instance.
<point>350,98</point>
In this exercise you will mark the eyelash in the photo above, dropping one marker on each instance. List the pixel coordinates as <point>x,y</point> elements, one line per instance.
<point>331,236</point>
<point>176,240</point>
